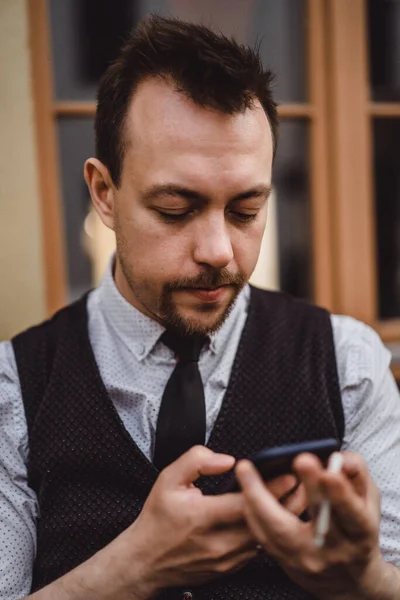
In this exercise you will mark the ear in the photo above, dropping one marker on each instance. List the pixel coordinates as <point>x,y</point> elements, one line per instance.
<point>101,189</point>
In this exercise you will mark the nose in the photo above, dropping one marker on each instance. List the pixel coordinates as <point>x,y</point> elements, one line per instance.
<point>213,245</point>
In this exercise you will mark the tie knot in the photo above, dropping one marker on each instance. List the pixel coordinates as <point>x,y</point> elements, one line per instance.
<point>186,348</point>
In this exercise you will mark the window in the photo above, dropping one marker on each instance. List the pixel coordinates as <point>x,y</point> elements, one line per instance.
<point>336,176</point>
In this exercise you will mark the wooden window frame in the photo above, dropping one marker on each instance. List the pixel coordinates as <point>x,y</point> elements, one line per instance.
<point>355,264</point>
<point>47,157</point>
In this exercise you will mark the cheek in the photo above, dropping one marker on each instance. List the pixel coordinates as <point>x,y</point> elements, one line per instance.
<point>154,256</point>
<point>138,234</point>
<point>247,249</point>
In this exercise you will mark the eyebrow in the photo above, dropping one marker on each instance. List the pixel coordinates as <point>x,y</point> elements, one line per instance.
<point>155,191</point>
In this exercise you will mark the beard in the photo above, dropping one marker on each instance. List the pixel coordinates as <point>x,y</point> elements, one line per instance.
<point>209,278</point>
<point>166,310</point>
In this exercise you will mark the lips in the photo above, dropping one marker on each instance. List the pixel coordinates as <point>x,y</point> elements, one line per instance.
<point>209,295</point>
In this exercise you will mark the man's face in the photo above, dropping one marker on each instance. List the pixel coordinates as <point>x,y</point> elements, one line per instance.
<point>191,207</point>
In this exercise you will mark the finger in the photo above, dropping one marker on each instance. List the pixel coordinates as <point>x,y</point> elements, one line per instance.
<point>282,486</point>
<point>337,544</point>
<point>225,509</point>
<point>351,512</point>
<point>343,489</point>
<point>297,501</point>
<point>196,462</point>
<point>354,466</point>
<point>309,469</point>
<point>269,521</point>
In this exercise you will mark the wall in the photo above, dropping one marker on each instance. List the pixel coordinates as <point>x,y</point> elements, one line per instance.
<point>22,300</point>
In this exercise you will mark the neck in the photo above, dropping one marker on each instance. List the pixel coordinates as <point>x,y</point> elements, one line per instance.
<point>125,290</point>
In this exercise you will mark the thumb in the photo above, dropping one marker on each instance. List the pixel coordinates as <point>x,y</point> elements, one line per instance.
<point>196,462</point>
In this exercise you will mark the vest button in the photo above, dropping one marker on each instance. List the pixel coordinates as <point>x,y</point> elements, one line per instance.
<point>188,595</point>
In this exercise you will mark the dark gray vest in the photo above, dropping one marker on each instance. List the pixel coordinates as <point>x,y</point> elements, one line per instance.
<point>92,480</point>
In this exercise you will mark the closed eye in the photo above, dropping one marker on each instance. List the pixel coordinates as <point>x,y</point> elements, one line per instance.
<point>174,217</point>
<point>178,217</point>
<point>243,217</point>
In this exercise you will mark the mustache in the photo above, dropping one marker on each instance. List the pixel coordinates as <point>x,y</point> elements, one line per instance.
<point>207,279</point>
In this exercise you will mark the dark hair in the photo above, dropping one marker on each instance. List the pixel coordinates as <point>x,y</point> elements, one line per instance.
<point>212,70</point>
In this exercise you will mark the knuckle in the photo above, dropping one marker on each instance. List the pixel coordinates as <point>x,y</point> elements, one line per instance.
<point>199,453</point>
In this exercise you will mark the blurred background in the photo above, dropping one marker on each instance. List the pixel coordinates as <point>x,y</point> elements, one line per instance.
<point>333,234</point>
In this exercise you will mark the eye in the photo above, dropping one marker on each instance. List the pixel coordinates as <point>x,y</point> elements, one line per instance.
<point>243,217</point>
<point>173,217</point>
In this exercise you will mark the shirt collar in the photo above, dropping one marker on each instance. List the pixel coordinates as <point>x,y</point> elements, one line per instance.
<point>139,332</point>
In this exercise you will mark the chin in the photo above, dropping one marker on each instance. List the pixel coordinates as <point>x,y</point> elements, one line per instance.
<point>205,320</point>
<point>201,318</point>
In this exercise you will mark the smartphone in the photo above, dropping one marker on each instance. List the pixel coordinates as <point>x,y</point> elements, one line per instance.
<point>273,462</point>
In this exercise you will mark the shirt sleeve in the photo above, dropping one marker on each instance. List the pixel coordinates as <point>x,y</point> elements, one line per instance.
<point>18,504</point>
<point>371,404</point>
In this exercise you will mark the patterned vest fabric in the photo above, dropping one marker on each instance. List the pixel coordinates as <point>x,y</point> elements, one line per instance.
<point>90,477</point>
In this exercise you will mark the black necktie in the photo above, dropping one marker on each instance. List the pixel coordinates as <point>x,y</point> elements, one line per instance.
<point>182,418</point>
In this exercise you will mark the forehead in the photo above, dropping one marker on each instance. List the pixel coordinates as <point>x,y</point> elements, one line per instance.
<point>166,133</point>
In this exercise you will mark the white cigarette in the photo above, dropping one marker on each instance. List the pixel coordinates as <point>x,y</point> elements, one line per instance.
<point>335,464</point>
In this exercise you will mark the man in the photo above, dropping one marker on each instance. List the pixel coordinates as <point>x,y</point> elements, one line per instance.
<point>175,349</point>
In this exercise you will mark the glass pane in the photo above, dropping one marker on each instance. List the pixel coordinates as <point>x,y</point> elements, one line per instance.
<point>278,25</point>
<point>387,206</point>
<point>86,36</point>
<point>384,50</point>
<point>291,184</point>
<point>76,144</point>
<point>85,39</point>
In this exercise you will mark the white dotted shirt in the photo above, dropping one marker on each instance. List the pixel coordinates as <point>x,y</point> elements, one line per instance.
<point>126,347</point>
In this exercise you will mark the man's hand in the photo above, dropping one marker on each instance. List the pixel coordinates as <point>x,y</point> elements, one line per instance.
<point>349,565</point>
<point>180,538</point>
<point>185,538</point>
